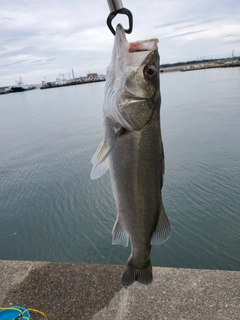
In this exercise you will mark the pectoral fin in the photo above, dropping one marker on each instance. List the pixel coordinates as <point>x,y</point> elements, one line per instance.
<point>163,230</point>
<point>100,161</point>
<point>119,235</point>
<point>100,157</point>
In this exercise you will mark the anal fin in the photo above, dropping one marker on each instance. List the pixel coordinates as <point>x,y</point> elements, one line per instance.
<point>119,235</point>
<point>163,230</point>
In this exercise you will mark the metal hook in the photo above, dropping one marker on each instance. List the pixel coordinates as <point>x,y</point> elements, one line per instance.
<point>116,7</point>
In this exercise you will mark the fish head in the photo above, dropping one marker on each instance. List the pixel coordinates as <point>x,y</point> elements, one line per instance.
<point>132,92</point>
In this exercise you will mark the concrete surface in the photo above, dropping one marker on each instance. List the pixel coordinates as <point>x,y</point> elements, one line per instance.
<point>76,291</point>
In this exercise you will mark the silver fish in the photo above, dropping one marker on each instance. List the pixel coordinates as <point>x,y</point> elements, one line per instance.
<point>132,150</point>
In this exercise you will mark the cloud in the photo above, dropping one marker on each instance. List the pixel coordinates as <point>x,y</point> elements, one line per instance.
<point>16,52</point>
<point>186,34</point>
<point>235,41</point>
<point>14,62</point>
<point>174,23</point>
<point>228,35</point>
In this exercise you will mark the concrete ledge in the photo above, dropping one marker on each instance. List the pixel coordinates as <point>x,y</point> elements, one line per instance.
<point>78,291</point>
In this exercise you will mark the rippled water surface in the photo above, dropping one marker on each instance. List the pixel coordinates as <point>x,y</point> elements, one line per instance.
<point>47,138</point>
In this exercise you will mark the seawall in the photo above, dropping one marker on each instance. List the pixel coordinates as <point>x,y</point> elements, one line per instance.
<point>77,291</point>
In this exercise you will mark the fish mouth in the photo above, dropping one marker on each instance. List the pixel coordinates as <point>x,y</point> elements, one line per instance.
<point>131,53</point>
<point>138,46</point>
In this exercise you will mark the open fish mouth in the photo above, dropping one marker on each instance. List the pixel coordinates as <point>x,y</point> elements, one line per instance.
<point>137,46</point>
<point>140,49</point>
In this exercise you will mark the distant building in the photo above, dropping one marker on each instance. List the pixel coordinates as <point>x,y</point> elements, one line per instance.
<point>92,76</point>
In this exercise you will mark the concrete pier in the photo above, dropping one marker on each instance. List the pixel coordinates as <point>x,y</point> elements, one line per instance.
<point>78,292</point>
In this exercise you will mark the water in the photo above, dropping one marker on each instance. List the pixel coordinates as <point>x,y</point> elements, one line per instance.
<point>47,138</point>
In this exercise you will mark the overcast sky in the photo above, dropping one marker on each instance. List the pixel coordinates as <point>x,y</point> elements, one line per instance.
<point>41,39</point>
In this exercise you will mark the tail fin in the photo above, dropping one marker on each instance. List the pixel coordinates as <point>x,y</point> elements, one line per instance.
<point>131,275</point>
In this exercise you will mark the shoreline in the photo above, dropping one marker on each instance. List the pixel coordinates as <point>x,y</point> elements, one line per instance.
<point>198,66</point>
<point>70,84</point>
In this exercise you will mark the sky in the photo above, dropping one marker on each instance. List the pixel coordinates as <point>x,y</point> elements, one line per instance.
<point>41,40</point>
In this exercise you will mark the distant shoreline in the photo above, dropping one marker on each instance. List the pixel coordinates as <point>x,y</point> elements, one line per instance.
<point>200,65</point>
<point>69,84</point>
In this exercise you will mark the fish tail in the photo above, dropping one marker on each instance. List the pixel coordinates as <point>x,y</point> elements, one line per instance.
<point>131,275</point>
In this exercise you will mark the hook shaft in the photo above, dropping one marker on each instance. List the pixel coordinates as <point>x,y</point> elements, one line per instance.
<point>114,5</point>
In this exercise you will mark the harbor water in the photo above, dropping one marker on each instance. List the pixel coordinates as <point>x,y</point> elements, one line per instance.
<point>50,209</point>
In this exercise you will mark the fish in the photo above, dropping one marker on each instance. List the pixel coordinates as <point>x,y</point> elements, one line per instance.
<point>132,151</point>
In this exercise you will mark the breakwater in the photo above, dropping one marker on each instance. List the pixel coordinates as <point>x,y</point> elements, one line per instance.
<point>51,86</point>
<point>79,291</point>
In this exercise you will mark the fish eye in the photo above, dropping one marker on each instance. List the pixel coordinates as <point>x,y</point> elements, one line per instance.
<point>150,72</point>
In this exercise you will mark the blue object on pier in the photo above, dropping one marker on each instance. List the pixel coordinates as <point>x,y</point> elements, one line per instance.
<point>13,313</point>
